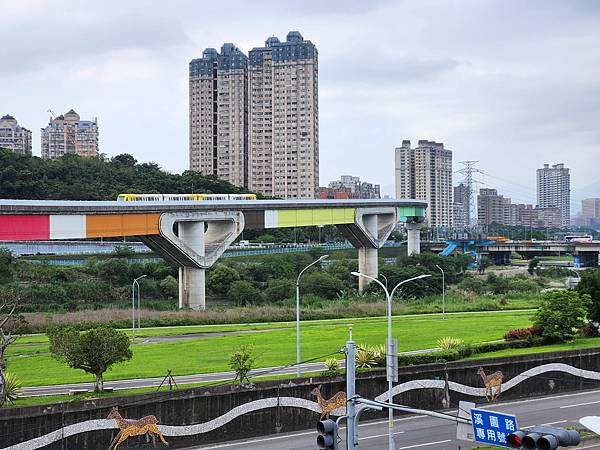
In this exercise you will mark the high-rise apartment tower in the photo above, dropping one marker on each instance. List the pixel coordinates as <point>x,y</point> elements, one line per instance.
<point>554,190</point>
<point>254,120</point>
<point>284,118</point>
<point>219,114</point>
<point>425,173</point>
<point>69,134</point>
<point>14,137</point>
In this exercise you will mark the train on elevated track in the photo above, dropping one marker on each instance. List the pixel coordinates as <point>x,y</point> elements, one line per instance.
<point>183,197</point>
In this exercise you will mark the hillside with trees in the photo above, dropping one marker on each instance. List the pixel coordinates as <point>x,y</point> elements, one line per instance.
<point>72,177</point>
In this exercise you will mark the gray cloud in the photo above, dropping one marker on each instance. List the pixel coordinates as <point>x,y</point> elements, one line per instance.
<point>511,84</point>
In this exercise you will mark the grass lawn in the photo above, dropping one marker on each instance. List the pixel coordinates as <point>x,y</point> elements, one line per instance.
<point>271,348</point>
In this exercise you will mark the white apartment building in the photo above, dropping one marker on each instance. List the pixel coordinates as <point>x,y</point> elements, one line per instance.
<point>69,134</point>
<point>425,173</point>
<point>14,137</point>
<point>284,118</point>
<point>554,190</point>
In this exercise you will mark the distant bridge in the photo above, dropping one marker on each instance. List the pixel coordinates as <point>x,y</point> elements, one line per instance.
<point>585,254</point>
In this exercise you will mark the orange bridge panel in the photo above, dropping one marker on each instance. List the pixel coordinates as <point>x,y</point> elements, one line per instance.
<point>114,225</point>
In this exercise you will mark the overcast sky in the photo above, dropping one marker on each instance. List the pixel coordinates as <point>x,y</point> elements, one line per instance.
<point>510,83</point>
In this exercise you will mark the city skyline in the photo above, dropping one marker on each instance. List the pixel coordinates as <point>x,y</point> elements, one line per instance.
<point>495,104</point>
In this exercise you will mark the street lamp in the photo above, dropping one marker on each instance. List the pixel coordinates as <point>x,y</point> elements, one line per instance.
<point>135,282</point>
<point>298,312</point>
<point>443,292</point>
<point>389,297</point>
<point>384,279</point>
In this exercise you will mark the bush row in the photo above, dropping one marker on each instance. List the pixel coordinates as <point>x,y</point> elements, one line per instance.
<point>465,351</point>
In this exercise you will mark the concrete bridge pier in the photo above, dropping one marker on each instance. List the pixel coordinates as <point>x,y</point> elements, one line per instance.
<point>413,232</point>
<point>368,233</point>
<point>194,241</point>
<point>192,280</point>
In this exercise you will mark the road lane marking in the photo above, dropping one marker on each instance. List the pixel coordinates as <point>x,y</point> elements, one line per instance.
<point>579,404</point>
<point>554,423</point>
<point>380,435</point>
<point>425,444</point>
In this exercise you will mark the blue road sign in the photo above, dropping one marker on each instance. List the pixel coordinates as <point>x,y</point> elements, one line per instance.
<point>490,427</point>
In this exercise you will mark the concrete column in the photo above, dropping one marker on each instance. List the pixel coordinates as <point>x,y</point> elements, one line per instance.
<point>367,264</point>
<point>413,231</point>
<point>192,280</point>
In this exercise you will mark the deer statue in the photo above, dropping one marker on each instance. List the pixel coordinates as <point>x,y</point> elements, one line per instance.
<point>337,401</point>
<point>491,381</point>
<point>128,428</point>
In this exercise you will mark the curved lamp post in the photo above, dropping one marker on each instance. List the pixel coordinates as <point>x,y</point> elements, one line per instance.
<point>298,311</point>
<point>389,297</point>
<point>133,285</point>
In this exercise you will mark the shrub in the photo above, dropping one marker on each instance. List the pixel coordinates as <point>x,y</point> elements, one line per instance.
<point>562,314</point>
<point>169,287</point>
<point>522,333</point>
<point>12,387</point>
<point>241,362</point>
<point>448,343</point>
<point>366,357</point>
<point>332,367</point>
<point>472,284</point>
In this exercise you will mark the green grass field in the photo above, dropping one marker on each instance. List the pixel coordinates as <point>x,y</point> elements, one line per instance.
<point>29,360</point>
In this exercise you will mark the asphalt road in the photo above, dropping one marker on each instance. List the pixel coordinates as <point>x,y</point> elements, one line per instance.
<point>426,433</point>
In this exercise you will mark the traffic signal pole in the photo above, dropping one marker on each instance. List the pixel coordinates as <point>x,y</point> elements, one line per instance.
<point>351,435</point>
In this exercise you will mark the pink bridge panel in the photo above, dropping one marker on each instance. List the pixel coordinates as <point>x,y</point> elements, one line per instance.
<point>22,228</point>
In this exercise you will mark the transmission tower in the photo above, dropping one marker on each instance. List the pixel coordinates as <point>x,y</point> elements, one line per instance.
<point>468,172</point>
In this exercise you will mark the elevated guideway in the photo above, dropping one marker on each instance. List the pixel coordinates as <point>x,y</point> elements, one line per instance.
<point>193,235</point>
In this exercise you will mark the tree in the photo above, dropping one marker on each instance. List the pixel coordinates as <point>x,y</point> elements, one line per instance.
<point>241,362</point>
<point>561,314</point>
<point>483,263</point>
<point>278,290</point>
<point>532,265</point>
<point>9,321</point>
<point>322,284</point>
<point>94,351</point>
<point>590,285</point>
<point>244,293</point>
<point>6,260</point>
<point>221,278</point>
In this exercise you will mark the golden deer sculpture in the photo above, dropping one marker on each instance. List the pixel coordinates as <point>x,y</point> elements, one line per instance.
<point>337,401</point>
<point>128,428</point>
<point>491,381</point>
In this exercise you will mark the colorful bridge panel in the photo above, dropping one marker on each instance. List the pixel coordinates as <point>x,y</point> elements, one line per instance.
<point>41,227</point>
<point>115,225</point>
<point>410,211</point>
<point>285,218</point>
<point>24,228</point>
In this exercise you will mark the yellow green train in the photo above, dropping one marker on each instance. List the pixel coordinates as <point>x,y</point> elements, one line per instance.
<point>183,197</point>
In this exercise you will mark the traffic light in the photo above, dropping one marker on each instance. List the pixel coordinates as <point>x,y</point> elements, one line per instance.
<point>328,435</point>
<point>543,438</point>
